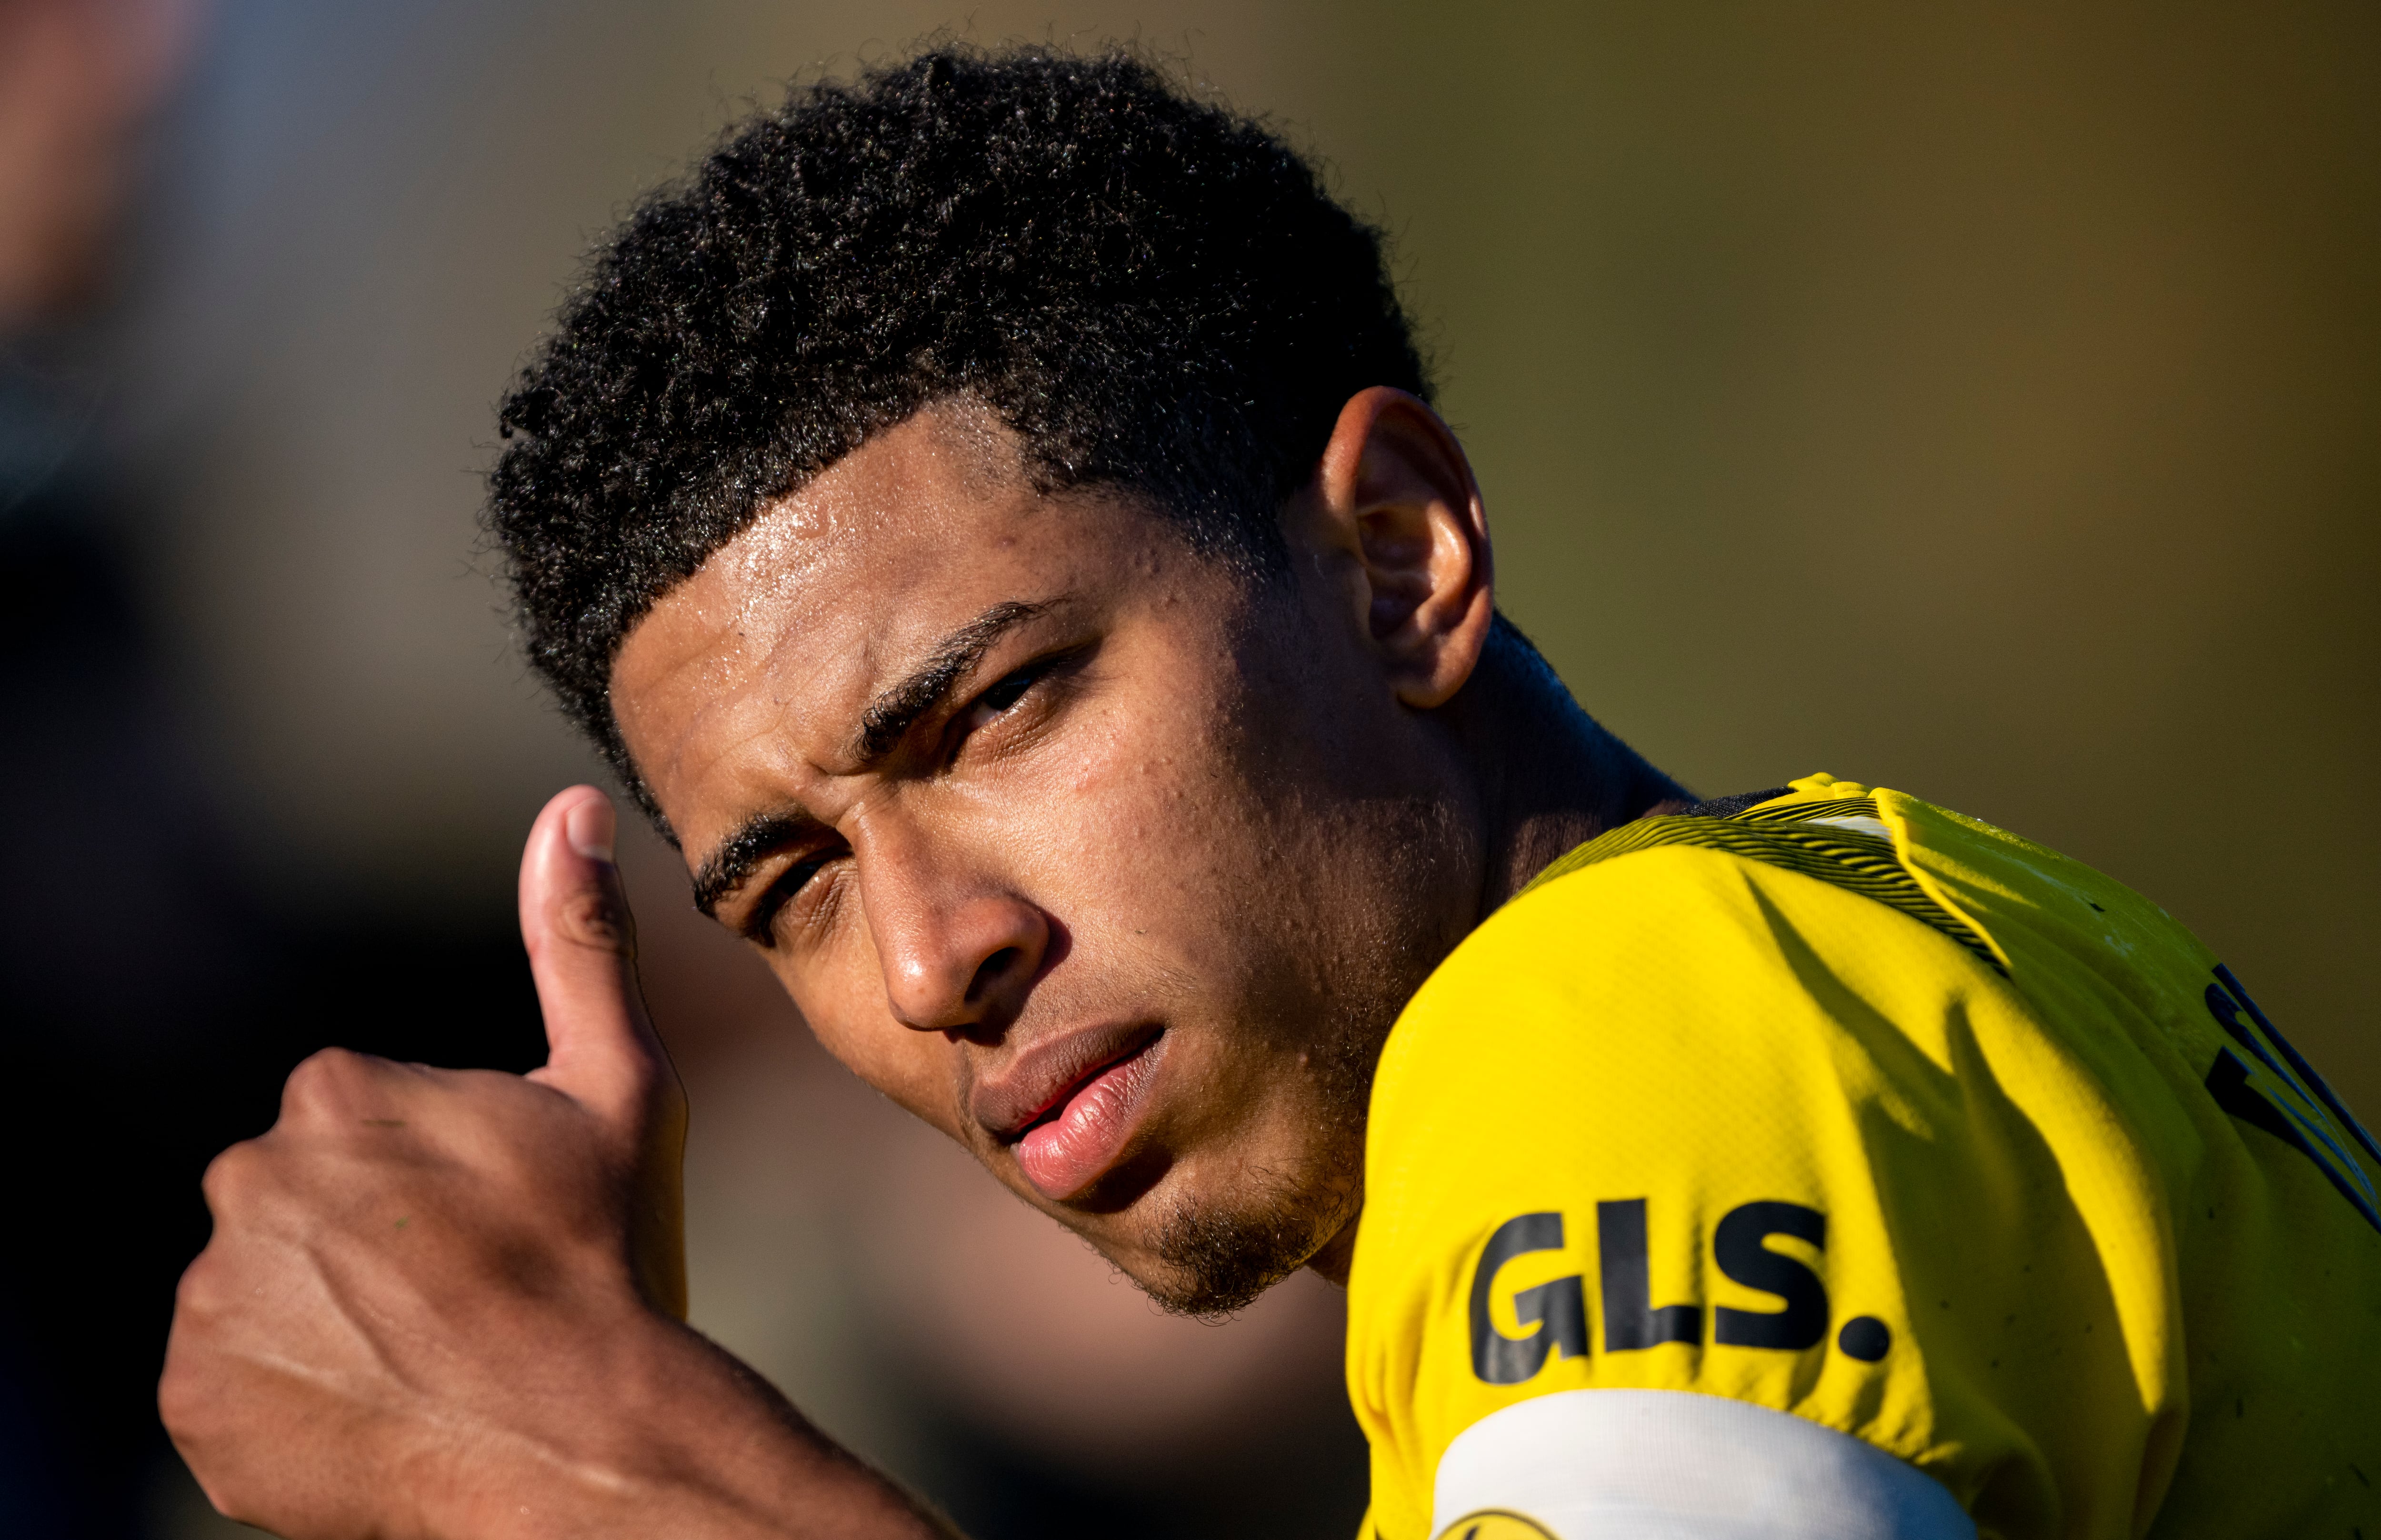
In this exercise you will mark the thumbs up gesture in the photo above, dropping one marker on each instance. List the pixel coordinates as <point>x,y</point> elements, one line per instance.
<point>447,1302</point>
<point>601,1052</point>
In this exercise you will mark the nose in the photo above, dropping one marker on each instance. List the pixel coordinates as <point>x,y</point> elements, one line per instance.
<point>959,952</point>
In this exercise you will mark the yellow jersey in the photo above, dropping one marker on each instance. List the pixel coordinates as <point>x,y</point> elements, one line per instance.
<point>1844,1122</point>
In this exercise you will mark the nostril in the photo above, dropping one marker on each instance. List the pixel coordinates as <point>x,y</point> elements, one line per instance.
<point>992,970</point>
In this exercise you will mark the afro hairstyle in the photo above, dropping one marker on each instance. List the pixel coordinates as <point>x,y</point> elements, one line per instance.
<point>1152,292</point>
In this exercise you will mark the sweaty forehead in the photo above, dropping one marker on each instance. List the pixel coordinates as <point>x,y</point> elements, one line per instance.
<point>766,655</point>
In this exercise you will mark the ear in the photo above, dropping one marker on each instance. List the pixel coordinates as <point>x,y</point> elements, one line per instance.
<point>1394,513</point>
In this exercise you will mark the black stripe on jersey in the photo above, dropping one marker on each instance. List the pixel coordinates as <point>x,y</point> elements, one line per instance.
<point>1785,838</point>
<point>1728,807</point>
<point>2228,1083</point>
<point>1803,813</point>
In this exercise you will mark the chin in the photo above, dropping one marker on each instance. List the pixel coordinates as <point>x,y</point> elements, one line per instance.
<point>1210,1259</point>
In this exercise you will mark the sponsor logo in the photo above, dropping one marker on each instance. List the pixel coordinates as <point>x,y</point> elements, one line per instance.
<point>1555,1313</point>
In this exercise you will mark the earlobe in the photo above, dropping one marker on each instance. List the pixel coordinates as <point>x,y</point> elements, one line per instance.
<point>1397,499</point>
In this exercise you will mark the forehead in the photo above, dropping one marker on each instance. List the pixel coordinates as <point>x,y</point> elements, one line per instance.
<point>868,534</point>
<point>769,652</point>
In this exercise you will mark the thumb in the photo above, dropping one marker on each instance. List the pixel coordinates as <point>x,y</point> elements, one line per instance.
<point>601,1047</point>
<point>602,1050</point>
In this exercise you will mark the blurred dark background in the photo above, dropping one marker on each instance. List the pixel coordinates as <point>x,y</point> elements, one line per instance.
<point>1977,400</point>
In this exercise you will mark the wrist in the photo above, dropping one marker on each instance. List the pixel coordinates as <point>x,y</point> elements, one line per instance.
<point>671,1434</point>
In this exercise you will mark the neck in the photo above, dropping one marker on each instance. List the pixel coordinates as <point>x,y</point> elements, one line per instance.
<point>1550,779</point>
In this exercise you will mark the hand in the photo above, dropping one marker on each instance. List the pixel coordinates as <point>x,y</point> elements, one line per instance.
<point>445,1301</point>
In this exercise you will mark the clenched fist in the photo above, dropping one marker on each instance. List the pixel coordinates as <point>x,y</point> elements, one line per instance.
<point>447,1303</point>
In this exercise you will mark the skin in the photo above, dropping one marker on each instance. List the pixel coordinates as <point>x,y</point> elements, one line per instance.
<point>1023,799</point>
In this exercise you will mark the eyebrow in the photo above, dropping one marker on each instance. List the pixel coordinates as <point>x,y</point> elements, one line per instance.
<point>884,722</point>
<point>726,869</point>
<point>896,708</point>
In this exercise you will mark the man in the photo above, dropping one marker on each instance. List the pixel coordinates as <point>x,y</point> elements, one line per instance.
<point>992,519</point>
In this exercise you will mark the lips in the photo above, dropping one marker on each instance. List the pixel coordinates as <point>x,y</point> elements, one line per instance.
<point>1069,1107</point>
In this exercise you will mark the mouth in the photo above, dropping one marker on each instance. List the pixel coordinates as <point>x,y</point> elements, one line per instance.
<point>1088,1113</point>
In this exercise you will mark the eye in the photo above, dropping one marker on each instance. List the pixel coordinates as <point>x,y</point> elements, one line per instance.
<point>1014,688</point>
<point>1004,693</point>
<point>789,887</point>
<point>1009,690</point>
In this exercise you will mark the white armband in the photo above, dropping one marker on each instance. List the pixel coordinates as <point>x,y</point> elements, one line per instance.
<point>1673,1465</point>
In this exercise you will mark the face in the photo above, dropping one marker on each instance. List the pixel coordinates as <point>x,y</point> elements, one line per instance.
<point>1108,861</point>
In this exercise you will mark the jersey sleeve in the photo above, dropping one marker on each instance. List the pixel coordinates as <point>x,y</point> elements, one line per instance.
<point>1685,1149</point>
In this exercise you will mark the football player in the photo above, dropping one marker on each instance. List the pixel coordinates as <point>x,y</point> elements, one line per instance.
<point>993,519</point>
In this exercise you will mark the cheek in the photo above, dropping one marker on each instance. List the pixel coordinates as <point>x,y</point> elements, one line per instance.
<point>1160,827</point>
<point>846,1011</point>
<point>1145,789</point>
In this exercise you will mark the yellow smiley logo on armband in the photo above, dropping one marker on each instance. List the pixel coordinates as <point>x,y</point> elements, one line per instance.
<point>1495,1523</point>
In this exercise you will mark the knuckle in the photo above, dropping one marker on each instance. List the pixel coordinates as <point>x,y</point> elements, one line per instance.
<point>231,1176</point>
<point>332,1081</point>
<point>179,1406</point>
<point>318,1076</point>
<point>182,1398</point>
<point>191,1390</point>
<point>195,1294</point>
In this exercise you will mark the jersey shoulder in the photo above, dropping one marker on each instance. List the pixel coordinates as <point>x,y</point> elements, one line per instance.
<point>1697,1112</point>
<point>1690,970</point>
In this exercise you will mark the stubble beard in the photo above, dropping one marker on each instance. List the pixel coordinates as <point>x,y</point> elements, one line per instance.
<point>1219,1252</point>
<point>1219,1257</point>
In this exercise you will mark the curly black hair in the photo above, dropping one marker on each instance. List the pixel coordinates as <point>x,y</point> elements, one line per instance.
<point>1152,292</point>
